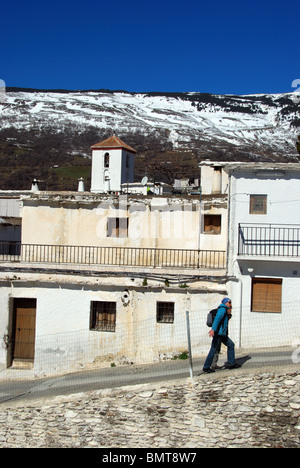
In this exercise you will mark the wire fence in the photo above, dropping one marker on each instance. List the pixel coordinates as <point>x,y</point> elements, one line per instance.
<point>165,346</point>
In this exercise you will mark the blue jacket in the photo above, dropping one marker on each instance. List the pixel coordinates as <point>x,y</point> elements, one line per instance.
<point>220,325</point>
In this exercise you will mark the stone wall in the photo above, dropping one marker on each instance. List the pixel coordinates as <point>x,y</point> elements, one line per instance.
<point>226,410</point>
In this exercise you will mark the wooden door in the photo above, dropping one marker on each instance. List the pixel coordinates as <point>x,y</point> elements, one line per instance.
<point>24,329</point>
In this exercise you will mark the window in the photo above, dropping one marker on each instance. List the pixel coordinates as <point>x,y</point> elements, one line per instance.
<point>258,204</point>
<point>165,312</point>
<point>106,160</point>
<point>212,224</point>
<point>266,295</point>
<point>117,227</point>
<point>103,316</point>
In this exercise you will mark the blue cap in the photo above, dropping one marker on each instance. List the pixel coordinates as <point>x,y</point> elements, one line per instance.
<point>225,300</point>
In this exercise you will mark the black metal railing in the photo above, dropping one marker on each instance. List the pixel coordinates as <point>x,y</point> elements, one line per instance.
<point>113,256</point>
<point>272,240</point>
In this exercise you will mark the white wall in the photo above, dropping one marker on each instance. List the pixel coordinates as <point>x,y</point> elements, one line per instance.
<point>283,202</point>
<point>258,329</point>
<point>158,222</point>
<point>261,329</point>
<point>64,341</point>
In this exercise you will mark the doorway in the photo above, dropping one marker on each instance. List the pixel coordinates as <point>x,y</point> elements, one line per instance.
<point>23,331</point>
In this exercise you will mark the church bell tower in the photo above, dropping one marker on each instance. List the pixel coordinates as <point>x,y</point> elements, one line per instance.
<point>112,165</point>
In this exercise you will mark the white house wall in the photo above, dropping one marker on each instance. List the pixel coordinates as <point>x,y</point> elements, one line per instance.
<point>261,329</point>
<point>282,205</point>
<point>64,341</point>
<point>153,223</point>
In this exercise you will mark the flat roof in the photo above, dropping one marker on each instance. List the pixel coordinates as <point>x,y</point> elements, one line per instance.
<point>246,167</point>
<point>90,198</point>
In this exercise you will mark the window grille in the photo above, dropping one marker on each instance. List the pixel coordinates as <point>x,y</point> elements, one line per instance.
<point>165,312</point>
<point>103,316</point>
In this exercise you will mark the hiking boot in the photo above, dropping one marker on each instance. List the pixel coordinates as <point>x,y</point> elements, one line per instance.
<point>209,371</point>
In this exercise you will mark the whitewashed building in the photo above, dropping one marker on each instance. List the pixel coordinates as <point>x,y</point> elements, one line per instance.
<point>264,252</point>
<point>106,277</point>
<point>101,279</point>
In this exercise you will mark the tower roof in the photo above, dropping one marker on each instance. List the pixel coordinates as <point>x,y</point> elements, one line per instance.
<point>113,143</point>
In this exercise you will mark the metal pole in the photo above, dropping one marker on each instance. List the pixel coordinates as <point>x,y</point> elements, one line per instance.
<point>189,343</point>
<point>200,215</point>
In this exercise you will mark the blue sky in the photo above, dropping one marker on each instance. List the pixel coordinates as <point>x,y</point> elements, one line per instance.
<point>233,47</point>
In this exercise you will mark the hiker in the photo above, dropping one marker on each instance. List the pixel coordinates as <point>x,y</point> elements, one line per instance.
<point>219,334</point>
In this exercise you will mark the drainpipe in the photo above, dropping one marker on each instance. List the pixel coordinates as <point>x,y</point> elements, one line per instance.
<point>200,214</point>
<point>231,253</point>
<point>241,314</point>
<point>217,180</point>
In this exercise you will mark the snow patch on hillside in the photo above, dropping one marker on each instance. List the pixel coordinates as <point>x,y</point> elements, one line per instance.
<point>259,121</point>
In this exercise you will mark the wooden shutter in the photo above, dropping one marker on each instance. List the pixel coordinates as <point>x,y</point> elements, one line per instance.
<point>117,227</point>
<point>258,204</point>
<point>266,295</point>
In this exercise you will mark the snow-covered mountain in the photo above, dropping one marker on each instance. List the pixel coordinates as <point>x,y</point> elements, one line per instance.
<point>252,127</point>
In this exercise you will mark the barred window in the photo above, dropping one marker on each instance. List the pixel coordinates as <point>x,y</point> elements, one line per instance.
<point>165,312</point>
<point>258,204</point>
<point>103,316</point>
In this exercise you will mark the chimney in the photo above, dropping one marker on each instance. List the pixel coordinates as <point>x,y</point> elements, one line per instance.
<point>81,185</point>
<point>217,180</point>
<point>35,186</point>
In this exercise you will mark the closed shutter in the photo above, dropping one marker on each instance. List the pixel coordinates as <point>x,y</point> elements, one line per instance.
<point>118,227</point>
<point>258,204</point>
<point>266,295</point>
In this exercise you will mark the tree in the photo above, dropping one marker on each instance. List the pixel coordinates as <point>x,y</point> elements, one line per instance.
<point>298,144</point>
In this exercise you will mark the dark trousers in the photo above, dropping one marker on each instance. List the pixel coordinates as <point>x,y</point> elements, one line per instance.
<point>215,349</point>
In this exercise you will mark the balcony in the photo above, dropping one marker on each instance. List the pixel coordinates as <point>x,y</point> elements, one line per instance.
<point>269,240</point>
<point>111,256</point>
